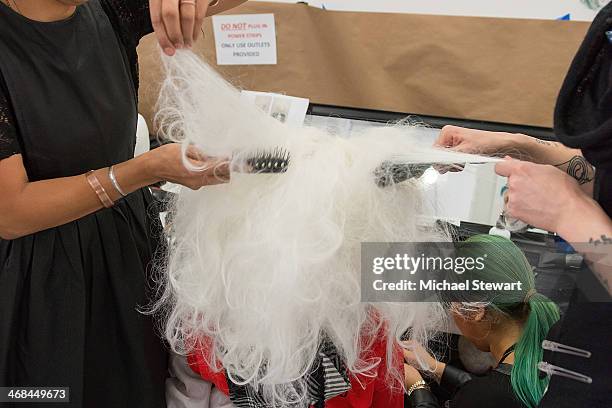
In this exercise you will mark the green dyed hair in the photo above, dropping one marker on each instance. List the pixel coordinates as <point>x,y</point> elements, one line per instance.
<point>505,262</point>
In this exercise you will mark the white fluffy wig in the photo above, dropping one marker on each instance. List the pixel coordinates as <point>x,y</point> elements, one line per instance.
<point>265,265</point>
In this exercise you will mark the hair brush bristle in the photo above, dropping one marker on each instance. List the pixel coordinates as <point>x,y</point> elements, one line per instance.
<point>389,172</point>
<point>275,161</point>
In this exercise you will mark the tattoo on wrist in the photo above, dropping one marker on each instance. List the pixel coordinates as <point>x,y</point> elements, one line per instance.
<point>579,168</point>
<point>543,142</point>
<point>602,240</point>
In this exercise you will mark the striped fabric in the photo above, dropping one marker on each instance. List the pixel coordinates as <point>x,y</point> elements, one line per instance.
<point>328,379</point>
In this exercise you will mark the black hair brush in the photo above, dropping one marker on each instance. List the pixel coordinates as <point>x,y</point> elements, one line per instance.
<point>267,162</point>
<point>388,173</point>
<point>395,172</point>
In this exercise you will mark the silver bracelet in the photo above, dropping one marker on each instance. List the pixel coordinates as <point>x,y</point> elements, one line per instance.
<point>417,386</point>
<point>113,179</point>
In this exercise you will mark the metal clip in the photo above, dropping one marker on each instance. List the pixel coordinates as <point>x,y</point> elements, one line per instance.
<point>562,348</point>
<point>563,372</point>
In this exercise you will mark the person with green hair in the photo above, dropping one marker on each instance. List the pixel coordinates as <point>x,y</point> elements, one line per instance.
<point>510,324</point>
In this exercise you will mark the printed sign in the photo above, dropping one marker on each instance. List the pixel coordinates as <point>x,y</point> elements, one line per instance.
<point>287,109</point>
<point>245,39</point>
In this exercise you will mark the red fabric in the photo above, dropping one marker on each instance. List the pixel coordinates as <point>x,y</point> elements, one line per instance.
<point>365,392</point>
<point>374,392</point>
<point>198,361</point>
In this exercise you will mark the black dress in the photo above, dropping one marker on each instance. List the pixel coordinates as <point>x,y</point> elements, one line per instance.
<point>70,295</point>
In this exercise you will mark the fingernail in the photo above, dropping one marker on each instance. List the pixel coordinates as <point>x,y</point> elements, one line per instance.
<point>178,46</point>
<point>169,51</point>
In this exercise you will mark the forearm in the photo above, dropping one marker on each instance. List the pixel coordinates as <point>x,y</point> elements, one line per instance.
<point>589,230</point>
<point>35,206</point>
<point>438,371</point>
<point>569,160</point>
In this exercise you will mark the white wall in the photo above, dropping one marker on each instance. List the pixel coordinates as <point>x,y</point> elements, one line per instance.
<point>540,9</point>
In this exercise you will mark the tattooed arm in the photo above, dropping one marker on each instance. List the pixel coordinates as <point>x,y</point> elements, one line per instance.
<point>546,198</point>
<point>592,237</point>
<point>569,160</point>
<point>521,147</point>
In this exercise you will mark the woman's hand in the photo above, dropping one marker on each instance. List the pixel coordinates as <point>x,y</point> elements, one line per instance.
<point>416,356</point>
<point>411,376</point>
<point>166,164</point>
<point>547,198</point>
<point>543,196</point>
<point>477,141</point>
<point>177,23</point>
<point>28,207</point>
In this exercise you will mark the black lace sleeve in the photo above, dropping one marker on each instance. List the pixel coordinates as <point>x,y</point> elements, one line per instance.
<point>131,21</point>
<point>8,131</point>
<point>131,17</point>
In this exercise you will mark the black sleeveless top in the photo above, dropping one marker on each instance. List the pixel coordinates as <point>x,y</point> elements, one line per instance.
<point>583,115</point>
<point>583,119</point>
<point>69,296</point>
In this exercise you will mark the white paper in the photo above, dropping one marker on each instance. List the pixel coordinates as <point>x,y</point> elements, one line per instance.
<point>245,39</point>
<point>287,109</point>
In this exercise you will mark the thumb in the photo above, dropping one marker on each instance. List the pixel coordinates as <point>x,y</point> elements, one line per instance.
<point>506,167</point>
<point>408,344</point>
<point>409,355</point>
